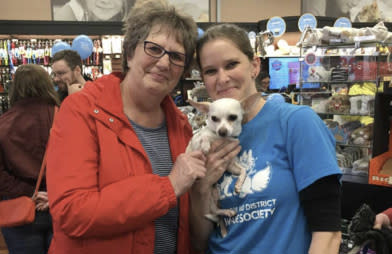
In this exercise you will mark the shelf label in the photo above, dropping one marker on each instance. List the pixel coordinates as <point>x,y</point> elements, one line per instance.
<point>307,20</point>
<point>364,38</point>
<point>277,26</point>
<point>343,22</point>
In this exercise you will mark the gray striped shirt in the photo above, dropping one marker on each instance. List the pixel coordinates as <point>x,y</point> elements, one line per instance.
<point>156,145</point>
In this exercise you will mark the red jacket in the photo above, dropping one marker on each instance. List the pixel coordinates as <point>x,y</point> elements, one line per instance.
<point>102,194</point>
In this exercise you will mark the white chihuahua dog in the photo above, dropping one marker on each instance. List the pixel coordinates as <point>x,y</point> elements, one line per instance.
<point>224,120</point>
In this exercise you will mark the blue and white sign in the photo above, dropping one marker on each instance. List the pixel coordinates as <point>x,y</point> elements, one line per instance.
<point>277,26</point>
<point>342,22</point>
<point>252,35</point>
<point>307,20</point>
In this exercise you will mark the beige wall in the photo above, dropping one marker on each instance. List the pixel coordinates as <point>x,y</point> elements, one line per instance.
<point>255,10</point>
<point>26,10</point>
<point>230,10</point>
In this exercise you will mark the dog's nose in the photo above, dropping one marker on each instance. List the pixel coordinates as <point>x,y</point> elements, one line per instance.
<point>222,132</point>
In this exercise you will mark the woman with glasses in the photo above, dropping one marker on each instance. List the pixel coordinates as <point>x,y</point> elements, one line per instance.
<point>117,173</point>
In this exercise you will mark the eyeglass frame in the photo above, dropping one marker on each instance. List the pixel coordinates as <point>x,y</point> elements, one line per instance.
<point>58,74</point>
<point>164,51</point>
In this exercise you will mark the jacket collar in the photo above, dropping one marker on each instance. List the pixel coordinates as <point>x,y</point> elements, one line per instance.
<point>108,103</point>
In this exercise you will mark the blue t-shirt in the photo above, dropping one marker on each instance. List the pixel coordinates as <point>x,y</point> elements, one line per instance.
<point>285,148</point>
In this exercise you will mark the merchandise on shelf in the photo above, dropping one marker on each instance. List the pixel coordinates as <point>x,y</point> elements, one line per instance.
<point>347,65</point>
<point>16,50</point>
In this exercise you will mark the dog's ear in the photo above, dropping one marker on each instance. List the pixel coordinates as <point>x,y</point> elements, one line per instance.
<point>202,107</point>
<point>250,101</point>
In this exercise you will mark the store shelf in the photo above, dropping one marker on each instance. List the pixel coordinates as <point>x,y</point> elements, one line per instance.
<point>355,178</point>
<point>353,145</point>
<point>345,114</point>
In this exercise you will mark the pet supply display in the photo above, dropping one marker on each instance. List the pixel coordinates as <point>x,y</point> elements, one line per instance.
<point>362,104</point>
<point>362,135</point>
<point>339,74</point>
<point>365,70</point>
<point>338,104</point>
<point>342,132</point>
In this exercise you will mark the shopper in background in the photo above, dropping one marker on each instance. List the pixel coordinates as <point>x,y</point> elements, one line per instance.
<point>290,200</point>
<point>117,174</point>
<point>67,72</point>
<point>262,82</point>
<point>24,132</point>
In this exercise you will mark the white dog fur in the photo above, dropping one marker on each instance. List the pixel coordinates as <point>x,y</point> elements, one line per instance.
<point>224,120</point>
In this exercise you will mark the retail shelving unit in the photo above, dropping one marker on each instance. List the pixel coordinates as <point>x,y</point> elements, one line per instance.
<point>340,82</point>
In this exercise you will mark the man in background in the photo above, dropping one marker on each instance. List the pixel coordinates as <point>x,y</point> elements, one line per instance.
<point>67,72</point>
<point>262,82</point>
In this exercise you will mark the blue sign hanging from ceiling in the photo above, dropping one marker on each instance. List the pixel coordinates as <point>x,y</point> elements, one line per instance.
<point>342,22</point>
<point>277,26</point>
<point>307,20</point>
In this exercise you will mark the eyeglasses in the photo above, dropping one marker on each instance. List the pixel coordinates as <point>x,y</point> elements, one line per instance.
<point>58,74</point>
<point>157,51</point>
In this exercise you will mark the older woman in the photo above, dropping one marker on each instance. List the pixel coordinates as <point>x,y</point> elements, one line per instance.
<point>24,132</point>
<point>117,175</point>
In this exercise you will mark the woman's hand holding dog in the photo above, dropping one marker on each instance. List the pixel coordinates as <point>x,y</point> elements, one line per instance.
<point>221,153</point>
<point>187,168</point>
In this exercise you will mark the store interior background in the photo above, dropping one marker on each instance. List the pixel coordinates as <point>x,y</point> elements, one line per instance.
<point>230,11</point>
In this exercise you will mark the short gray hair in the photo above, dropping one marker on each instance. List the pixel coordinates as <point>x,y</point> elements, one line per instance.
<point>146,14</point>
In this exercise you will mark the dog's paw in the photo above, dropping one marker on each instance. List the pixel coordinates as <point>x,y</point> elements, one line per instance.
<point>238,187</point>
<point>226,212</point>
<point>205,145</point>
<point>212,217</point>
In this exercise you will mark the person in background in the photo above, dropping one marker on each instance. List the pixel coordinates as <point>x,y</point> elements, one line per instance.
<point>117,172</point>
<point>67,72</point>
<point>290,200</point>
<point>262,82</point>
<point>24,132</point>
<point>94,10</point>
<point>383,219</point>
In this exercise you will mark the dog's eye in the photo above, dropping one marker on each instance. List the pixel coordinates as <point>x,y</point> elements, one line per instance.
<point>232,118</point>
<point>214,119</point>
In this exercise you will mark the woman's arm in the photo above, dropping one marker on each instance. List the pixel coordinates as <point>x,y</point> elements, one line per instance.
<point>322,207</point>
<point>325,242</point>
